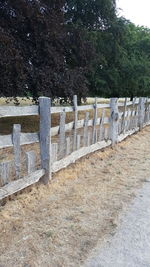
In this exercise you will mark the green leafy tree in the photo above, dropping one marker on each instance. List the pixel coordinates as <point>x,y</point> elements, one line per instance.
<point>122,66</point>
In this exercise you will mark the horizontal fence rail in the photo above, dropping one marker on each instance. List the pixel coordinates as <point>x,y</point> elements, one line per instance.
<point>12,111</point>
<point>102,125</point>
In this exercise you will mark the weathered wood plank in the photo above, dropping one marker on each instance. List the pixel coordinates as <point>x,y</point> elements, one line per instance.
<point>114,117</point>
<point>121,137</point>
<point>78,154</point>
<point>94,122</point>
<point>6,141</point>
<point>141,108</point>
<point>5,171</point>
<point>30,161</point>
<point>17,148</point>
<point>62,134</point>
<point>89,139</point>
<point>78,141</point>
<point>45,136</point>
<point>25,139</point>
<point>85,133</point>
<point>136,117</point>
<point>54,152</point>
<point>96,135</point>
<point>132,113</point>
<point>119,127</point>
<point>29,138</point>
<point>80,108</point>
<point>106,134</point>
<point>129,103</point>
<point>13,111</point>
<point>86,107</point>
<point>128,119</point>
<point>101,126</point>
<point>16,186</point>
<point>124,115</point>
<point>75,122</point>
<point>68,147</point>
<point>146,111</point>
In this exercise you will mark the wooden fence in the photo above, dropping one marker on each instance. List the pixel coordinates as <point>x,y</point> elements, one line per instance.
<point>110,124</point>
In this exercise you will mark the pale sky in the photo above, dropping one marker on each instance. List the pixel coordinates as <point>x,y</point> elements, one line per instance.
<point>137,11</point>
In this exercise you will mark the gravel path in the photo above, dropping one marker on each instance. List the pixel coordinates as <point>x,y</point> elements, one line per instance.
<point>130,246</point>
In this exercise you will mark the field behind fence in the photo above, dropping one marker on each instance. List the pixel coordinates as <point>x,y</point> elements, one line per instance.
<point>81,130</point>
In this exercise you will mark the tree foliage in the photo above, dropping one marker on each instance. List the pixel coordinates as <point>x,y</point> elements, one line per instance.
<point>123,66</point>
<point>32,50</point>
<point>65,47</point>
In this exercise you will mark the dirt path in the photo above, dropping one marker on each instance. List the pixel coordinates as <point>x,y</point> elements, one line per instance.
<point>130,246</point>
<point>59,225</point>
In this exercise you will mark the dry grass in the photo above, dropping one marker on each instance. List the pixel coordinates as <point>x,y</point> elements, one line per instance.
<point>91,100</point>
<point>24,101</point>
<point>9,101</point>
<point>58,225</point>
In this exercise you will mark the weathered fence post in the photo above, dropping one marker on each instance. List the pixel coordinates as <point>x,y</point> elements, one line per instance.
<point>136,117</point>
<point>62,134</point>
<point>78,141</point>
<point>106,133</point>
<point>85,133</point>
<point>146,111</point>
<point>5,172</point>
<point>75,122</point>
<point>124,116</point>
<point>54,153</point>
<point>89,139</point>
<point>128,119</point>
<point>101,126</point>
<point>45,136</point>
<point>96,135</point>
<point>30,161</point>
<point>94,122</point>
<point>114,117</point>
<point>16,147</point>
<point>141,111</point>
<point>67,145</point>
<point>132,114</point>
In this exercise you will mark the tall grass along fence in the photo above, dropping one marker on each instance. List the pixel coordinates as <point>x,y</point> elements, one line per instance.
<point>103,125</point>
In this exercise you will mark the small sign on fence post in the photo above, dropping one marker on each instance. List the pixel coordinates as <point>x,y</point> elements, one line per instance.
<point>114,119</point>
<point>45,136</point>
